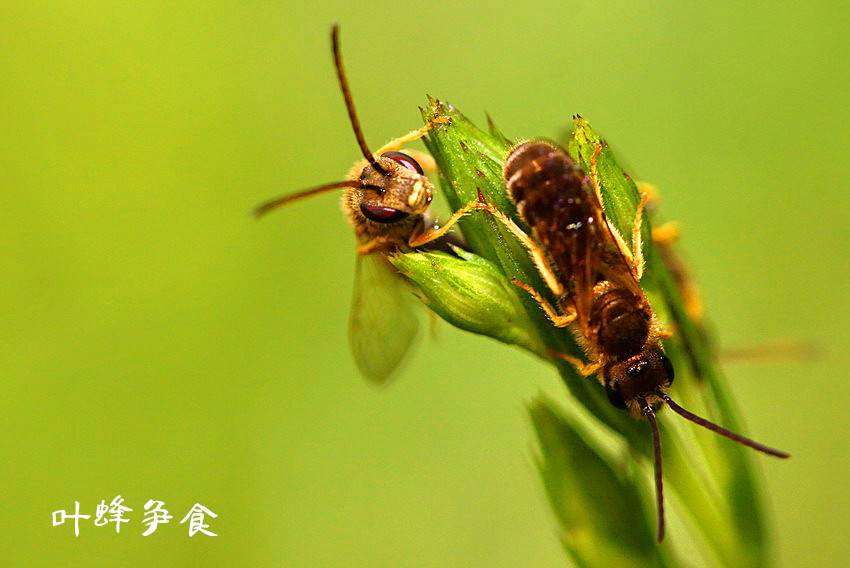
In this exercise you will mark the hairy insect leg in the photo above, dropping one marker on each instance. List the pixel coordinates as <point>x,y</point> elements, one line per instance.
<point>664,237</point>
<point>637,238</point>
<point>685,309</point>
<point>618,238</point>
<point>420,238</point>
<point>650,190</point>
<point>687,290</point>
<point>558,319</point>
<point>584,369</point>
<point>537,253</point>
<point>667,234</point>
<point>395,145</point>
<point>425,160</point>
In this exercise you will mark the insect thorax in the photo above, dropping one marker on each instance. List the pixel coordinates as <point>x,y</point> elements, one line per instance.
<point>621,321</point>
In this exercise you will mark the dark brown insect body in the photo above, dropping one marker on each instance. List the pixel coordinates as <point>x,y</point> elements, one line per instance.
<point>614,321</point>
<point>595,276</point>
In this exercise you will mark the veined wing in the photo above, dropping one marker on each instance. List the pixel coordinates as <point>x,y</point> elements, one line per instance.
<point>383,317</point>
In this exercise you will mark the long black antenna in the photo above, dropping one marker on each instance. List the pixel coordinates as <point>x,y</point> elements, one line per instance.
<point>720,430</point>
<point>349,103</point>
<point>659,482</point>
<point>278,201</point>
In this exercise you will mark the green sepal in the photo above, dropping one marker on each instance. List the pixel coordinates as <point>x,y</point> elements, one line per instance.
<point>471,293</point>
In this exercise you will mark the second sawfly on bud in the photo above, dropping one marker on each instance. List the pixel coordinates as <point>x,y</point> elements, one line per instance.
<point>594,275</point>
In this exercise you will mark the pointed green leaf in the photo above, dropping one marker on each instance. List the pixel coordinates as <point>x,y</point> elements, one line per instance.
<point>598,506</point>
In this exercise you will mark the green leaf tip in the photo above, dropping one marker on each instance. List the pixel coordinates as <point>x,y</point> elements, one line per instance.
<point>597,504</point>
<point>620,195</point>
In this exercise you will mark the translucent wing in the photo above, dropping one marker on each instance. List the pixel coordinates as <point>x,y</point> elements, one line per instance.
<point>383,319</point>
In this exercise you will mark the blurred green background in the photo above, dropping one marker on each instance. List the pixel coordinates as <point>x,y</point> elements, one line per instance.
<point>159,344</point>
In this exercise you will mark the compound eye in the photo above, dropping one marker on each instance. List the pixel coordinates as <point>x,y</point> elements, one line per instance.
<point>380,214</point>
<point>614,397</point>
<point>668,368</point>
<point>405,161</point>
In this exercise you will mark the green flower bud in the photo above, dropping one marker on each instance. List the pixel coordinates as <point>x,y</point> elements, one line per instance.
<point>470,293</point>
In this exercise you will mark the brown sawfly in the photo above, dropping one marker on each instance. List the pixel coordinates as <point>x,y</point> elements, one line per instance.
<point>594,276</point>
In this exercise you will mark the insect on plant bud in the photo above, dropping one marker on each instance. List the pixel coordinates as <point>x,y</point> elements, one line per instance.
<point>470,293</point>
